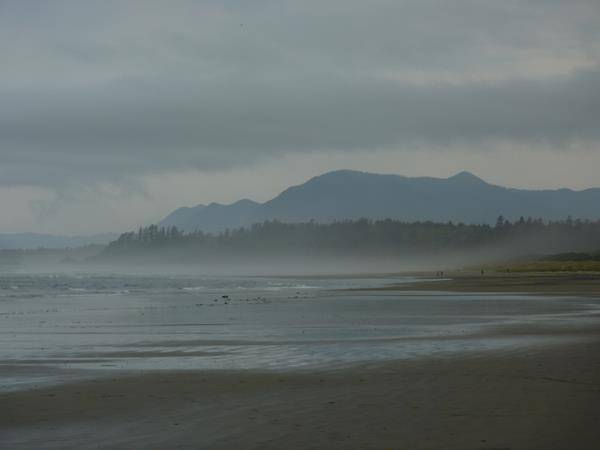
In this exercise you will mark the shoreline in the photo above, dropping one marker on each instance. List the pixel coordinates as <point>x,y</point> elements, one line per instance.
<point>542,396</point>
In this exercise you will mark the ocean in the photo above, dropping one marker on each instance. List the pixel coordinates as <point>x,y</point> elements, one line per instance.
<point>64,327</point>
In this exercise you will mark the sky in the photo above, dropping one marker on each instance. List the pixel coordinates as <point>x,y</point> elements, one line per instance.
<point>114,113</point>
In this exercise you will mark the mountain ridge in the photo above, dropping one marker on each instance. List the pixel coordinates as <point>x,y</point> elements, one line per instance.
<point>351,194</point>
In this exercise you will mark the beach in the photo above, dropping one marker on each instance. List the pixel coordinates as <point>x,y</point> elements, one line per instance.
<point>536,386</point>
<point>543,399</point>
<point>536,283</point>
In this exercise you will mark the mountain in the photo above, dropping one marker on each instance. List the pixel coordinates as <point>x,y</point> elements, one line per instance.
<point>348,194</point>
<point>184,217</point>
<point>214,217</point>
<point>35,240</point>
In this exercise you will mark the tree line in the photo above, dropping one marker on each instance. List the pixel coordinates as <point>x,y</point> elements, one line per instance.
<point>364,236</point>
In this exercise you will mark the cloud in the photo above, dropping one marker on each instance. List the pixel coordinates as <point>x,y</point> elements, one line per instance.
<point>114,90</point>
<point>129,129</point>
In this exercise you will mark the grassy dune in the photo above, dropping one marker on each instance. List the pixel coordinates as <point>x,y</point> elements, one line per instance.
<point>548,266</point>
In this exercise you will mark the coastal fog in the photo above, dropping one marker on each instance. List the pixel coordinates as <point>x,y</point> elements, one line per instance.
<point>346,247</point>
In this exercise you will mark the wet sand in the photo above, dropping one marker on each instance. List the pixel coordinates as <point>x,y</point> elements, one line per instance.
<point>536,398</point>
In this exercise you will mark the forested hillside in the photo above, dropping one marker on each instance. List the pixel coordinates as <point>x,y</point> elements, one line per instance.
<point>360,238</point>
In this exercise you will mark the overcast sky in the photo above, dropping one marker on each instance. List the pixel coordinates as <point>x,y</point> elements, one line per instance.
<point>114,113</point>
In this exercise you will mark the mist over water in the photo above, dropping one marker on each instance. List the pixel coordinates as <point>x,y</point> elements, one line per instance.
<point>60,327</point>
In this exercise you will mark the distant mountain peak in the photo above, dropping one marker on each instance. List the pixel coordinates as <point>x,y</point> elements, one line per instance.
<point>466,176</point>
<point>341,172</point>
<point>336,174</point>
<point>352,172</point>
<point>245,202</point>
